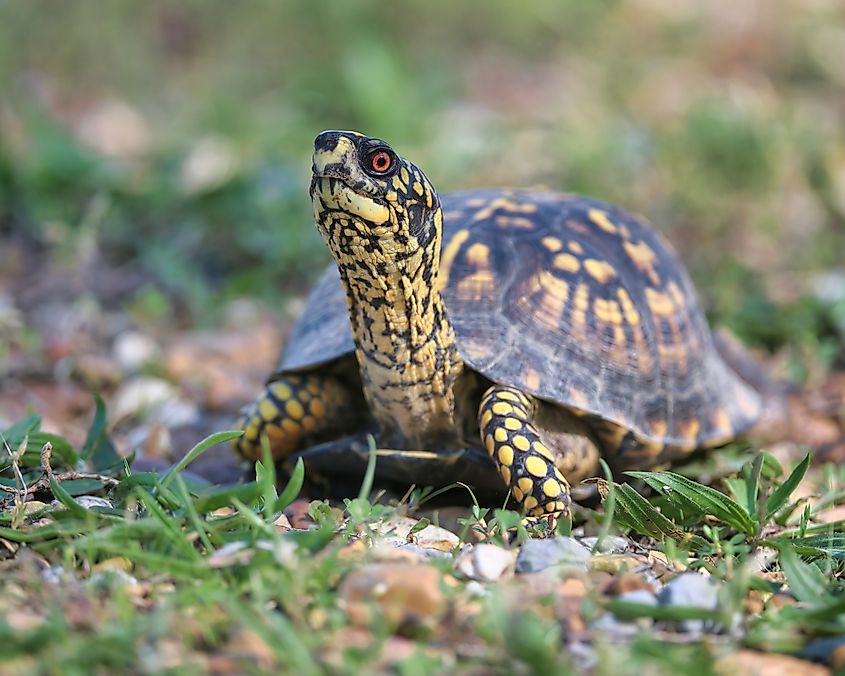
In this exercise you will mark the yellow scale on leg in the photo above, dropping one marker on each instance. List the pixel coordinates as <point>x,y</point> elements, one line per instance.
<point>526,464</point>
<point>291,408</point>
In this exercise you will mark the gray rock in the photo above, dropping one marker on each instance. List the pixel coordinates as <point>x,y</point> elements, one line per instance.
<point>536,555</point>
<point>611,627</point>
<point>611,544</point>
<point>692,589</point>
<point>89,501</point>
<point>639,596</point>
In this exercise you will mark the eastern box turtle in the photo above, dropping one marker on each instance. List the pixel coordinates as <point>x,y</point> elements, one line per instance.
<point>545,329</point>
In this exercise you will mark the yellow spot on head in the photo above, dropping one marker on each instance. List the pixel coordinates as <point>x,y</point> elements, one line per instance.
<point>489,444</point>
<point>525,484</point>
<point>309,423</point>
<point>486,417</point>
<point>517,494</point>
<point>601,271</point>
<point>317,408</point>
<point>418,188</point>
<point>506,474</point>
<point>530,502</point>
<point>403,174</point>
<point>575,247</point>
<point>601,219</point>
<point>566,262</point>
<point>501,435</point>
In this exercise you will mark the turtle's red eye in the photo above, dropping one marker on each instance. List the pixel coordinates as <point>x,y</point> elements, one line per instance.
<point>379,162</point>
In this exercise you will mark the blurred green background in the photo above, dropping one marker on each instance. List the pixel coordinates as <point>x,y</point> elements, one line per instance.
<point>172,139</point>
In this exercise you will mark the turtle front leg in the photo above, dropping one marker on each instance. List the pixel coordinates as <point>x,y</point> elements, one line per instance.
<point>294,408</point>
<point>508,431</point>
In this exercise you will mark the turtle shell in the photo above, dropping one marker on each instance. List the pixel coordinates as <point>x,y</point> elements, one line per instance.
<point>574,301</point>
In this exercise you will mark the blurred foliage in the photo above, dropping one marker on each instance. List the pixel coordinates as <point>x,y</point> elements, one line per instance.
<point>177,135</point>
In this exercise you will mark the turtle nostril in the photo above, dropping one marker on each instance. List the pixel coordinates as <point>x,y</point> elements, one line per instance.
<point>326,140</point>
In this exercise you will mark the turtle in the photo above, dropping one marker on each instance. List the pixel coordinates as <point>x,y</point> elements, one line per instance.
<point>509,338</point>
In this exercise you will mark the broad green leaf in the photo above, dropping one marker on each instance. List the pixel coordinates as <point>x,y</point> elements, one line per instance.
<point>22,428</point>
<point>99,450</point>
<point>781,494</point>
<point>62,449</point>
<point>827,544</point>
<point>805,581</point>
<point>196,451</point>
<point>695,498</point>
<point>634,511</point>
<point>82,486</point>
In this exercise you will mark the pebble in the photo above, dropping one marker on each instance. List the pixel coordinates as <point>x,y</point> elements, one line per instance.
<point>536,555</point>
<point>405,595</point>
<point>485,562</point>
<point>639,596</point>
<point>398,531</point>
<point>89,501</point>
<point>691,589</point>
<point>611,544</point>
<point>133,350</point>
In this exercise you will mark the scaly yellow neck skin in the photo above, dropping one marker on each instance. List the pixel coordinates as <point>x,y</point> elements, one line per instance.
<point>406,346</point>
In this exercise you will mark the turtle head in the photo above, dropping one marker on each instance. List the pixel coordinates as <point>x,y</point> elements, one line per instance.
<point>368,199</point>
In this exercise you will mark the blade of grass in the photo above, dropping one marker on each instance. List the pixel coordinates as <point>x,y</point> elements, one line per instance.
<point>293,487</point>
<point>781,494</point>
<point>193,516</point>
<point>169,524</point>
<point>805,581</point>
<point>196,451</point>
<point>370,473</point>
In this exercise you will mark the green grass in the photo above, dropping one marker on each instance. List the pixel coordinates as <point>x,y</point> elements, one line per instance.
<point>171,575</point>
